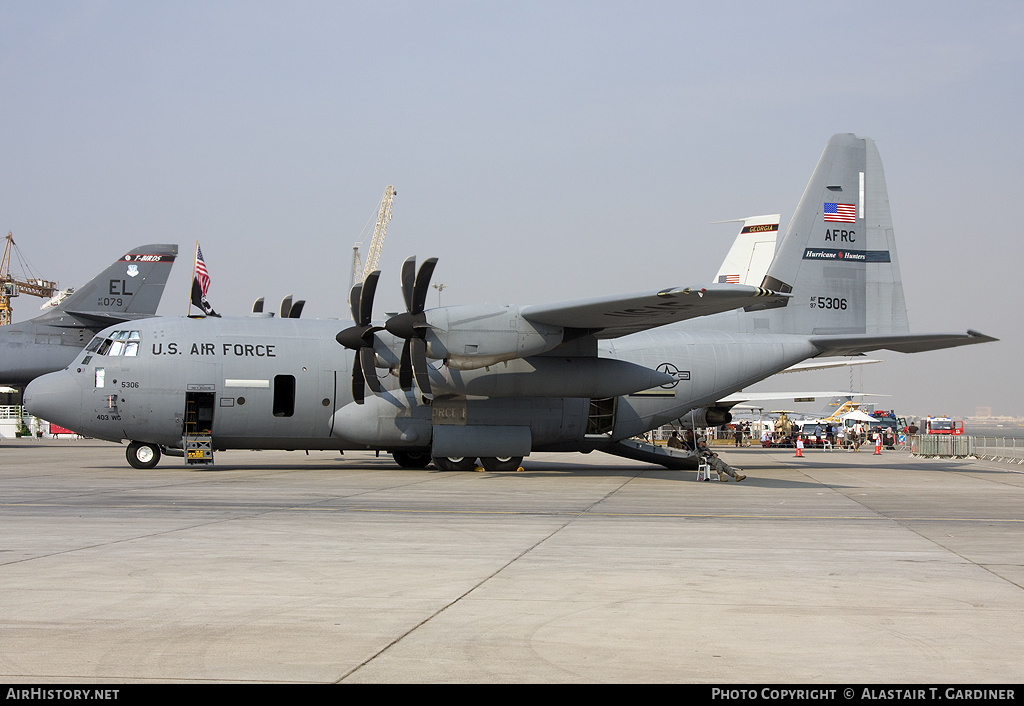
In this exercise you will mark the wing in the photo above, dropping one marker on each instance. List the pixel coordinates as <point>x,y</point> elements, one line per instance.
<point>614,316</point>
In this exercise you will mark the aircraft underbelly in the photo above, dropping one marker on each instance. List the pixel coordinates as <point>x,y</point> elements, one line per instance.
<point>498,426</point>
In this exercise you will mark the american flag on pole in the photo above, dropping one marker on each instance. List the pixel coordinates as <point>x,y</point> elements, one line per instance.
<point>840,213</point>
<point>201,274</point>
<point>201,284</point>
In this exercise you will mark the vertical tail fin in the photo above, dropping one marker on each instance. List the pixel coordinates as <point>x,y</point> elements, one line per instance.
<point>130,288</point>
<point>838,257</point>
<point>751,253</point>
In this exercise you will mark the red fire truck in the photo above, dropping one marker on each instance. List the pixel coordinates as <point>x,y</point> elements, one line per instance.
<point>943,425</point>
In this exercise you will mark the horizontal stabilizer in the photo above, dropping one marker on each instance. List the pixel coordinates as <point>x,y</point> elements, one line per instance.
<point>102,319</point>
<point>901,343</point>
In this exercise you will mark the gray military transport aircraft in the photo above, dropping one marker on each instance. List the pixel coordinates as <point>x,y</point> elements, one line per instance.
<point>129,289</point>
<point>459,383</point>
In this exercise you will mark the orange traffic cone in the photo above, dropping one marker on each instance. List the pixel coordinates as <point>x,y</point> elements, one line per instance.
<point>878,447</point>
<point>799,449</point>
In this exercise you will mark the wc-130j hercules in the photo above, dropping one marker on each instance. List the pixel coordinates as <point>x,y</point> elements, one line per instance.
<point>460,383</point>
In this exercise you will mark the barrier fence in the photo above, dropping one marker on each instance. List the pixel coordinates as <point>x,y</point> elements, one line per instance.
<point>942,445</point>
<point>1006,449</point>
<point>994,448</point>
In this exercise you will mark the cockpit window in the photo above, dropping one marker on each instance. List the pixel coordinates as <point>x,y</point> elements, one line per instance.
<point>116,343</point>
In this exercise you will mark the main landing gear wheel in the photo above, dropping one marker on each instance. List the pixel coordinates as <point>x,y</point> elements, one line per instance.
<point>142,455</point>
<point>501,463</point>
<point>411,459</point>
<point>454,463</point>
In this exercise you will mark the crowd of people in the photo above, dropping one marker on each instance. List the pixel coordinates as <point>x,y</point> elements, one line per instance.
<point>835,435</point>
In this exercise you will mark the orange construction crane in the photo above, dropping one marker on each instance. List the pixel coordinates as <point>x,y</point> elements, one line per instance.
<point>13,287</point>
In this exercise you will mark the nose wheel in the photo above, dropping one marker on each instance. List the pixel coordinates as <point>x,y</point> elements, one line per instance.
<point>142,455</point>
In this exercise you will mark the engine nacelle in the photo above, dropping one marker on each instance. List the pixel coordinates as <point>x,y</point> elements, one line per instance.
<point>394,420</point>
<point>706,417</point>
<point>473,337</point>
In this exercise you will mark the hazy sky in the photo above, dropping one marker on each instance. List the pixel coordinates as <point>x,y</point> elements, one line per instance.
<point>542,150</point>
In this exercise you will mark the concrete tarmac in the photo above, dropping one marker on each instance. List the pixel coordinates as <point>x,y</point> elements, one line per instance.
<point>281,567</point>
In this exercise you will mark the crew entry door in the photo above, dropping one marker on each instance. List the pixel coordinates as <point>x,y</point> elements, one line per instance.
<point>197,436</point>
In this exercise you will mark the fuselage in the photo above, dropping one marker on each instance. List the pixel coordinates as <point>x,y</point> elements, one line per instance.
<point>258,382</point>
<point>30,349</point>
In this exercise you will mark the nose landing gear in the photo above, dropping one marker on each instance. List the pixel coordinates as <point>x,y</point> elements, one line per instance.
<point>142,456</point>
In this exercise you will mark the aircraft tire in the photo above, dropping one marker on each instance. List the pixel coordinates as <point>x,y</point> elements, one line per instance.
<point>411,459</point>
<point>454,463</point>
<point>501,463</point>
<point>142,456</point>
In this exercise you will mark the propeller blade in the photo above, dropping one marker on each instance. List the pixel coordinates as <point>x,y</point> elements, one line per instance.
<point>408,281</point>
<point>418,354</point>
<point>405,368</point>
<point>286,306</point>
<point>296,311</point>
<point>369,288</point>
<point>369,371</point>
<point>358,385</point>
<point>422,287</point>
<point>257,306</point>
<point>353,300</point>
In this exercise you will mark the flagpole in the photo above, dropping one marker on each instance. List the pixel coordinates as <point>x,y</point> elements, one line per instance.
<point>188,311</point>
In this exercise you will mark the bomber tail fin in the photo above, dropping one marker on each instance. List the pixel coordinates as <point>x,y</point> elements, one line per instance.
<point>130,288</point>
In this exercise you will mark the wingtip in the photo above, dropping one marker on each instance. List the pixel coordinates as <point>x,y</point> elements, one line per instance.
<point>983,338</point>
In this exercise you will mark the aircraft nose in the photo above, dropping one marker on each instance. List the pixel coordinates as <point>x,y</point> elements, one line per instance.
<point>55,397</point>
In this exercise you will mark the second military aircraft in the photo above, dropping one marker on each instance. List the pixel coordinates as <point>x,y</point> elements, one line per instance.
<point>127,290</point>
